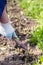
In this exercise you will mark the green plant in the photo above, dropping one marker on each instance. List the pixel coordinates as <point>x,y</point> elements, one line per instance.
<point>36,63</point>
<point>41,59</point>
<point>37,36</point>
<point>33,8</point>
<point>39,62</point>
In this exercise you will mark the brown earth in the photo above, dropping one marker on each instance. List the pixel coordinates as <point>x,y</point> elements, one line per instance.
<point>10,53</point>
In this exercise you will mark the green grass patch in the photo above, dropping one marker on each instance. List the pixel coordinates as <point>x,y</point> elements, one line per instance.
<point>33,8</point>
<point>37,36</point>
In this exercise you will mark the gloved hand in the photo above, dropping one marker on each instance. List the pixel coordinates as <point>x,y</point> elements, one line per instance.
<point>7,30</point>
<point>10,35</point>
<point>2,31</point>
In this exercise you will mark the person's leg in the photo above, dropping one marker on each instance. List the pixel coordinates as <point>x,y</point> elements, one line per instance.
<point>6,25</point>
<point>4,17</point>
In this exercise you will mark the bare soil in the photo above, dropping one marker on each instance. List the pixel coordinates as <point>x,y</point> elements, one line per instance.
<point>10,52</point>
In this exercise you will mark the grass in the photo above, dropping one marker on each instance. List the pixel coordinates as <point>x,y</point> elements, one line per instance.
<point>37,36</point>
<point>40,61</point>
<point>33,8</point>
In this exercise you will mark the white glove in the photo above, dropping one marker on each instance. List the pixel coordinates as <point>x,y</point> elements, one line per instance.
<point>7,30</point>
<point>2,31</point>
